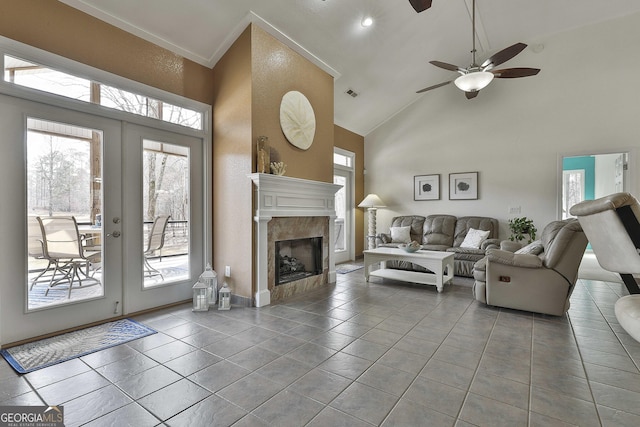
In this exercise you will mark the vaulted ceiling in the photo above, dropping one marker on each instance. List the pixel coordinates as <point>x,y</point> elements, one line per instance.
<point>385,64</point>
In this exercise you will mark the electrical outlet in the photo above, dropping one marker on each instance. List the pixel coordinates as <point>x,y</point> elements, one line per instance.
<point>227,270</point>
<point>515,210</point>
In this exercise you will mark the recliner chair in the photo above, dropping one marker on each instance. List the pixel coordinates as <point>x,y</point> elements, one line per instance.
<point>539,277</point>
<point>612,225</point>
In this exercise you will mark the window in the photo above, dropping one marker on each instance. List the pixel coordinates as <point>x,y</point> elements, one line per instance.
<point>342,159</point>
<point>29,74</point>
<point>572,190</point>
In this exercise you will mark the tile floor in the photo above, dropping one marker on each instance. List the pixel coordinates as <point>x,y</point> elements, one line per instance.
<point>357,354</point>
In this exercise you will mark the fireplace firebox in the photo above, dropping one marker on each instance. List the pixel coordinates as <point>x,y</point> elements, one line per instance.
<point>297,259</point>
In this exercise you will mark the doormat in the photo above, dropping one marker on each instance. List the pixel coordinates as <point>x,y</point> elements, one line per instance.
<point>50,351</point>
<point>347,268</point>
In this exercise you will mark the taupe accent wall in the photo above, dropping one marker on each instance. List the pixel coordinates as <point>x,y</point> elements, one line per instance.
<point>249,83</point>
<point>276,70</point>
<point>232,163</point>
<point>353,142</point>
<point>63,30</point>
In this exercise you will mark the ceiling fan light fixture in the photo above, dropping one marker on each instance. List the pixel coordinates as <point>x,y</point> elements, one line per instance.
<point>474,81</point>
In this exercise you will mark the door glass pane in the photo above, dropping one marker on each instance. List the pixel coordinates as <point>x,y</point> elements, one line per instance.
<point>341,209</point>
<point>572,190</point>
<point>64,205</point>
<point>166,211</point>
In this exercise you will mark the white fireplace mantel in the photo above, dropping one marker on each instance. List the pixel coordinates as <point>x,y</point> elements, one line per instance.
<point>282,196</point>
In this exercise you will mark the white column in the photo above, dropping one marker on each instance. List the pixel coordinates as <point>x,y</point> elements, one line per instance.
<point>262,295</point>
<point>331,278</point>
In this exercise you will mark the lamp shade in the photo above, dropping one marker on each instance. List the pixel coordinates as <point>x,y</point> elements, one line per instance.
<point>473,82</point>
<point>372,201</point>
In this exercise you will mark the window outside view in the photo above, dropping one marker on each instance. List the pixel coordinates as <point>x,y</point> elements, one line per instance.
<point>64,213</point>
<point>166,210</point>
<point>64,205</point>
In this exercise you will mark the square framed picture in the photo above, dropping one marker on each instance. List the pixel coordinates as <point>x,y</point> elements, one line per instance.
<point>463,186</point>
<point>426,187</point>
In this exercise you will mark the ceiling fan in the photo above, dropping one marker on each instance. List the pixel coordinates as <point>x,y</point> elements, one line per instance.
<point>476,77</point>
<point>420,5</point>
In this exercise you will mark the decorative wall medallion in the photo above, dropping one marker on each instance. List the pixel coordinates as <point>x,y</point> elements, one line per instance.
<point>297,119</point>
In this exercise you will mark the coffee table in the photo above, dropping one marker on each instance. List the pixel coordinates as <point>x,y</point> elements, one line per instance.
<point>440,263</point>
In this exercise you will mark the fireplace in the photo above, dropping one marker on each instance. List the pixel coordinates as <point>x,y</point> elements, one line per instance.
<point>289,209</point>
<point>297,259</point>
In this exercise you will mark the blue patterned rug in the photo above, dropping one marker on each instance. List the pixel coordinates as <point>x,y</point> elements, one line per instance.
<point>49,351</point>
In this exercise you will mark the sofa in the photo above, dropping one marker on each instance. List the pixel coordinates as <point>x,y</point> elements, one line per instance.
<point>441,232</point>
<point>539,277</point>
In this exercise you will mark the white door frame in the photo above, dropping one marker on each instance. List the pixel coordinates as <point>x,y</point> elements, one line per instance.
<point>630,177</point>
<point>350,217</point>
<point>16,323</point>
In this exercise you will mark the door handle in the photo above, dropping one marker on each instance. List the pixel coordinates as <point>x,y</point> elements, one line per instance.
<point>114,234</point>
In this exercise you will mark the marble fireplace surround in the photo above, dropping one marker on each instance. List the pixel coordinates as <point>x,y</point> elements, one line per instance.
<point>278,196</point>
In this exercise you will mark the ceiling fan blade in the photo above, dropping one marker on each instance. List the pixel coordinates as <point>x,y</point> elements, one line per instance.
<point>512,73</point>
<point>471,95</point>
<point>504,55</point>
<point>434,86</point>
<point>420,5</point>
<point>446,66</point>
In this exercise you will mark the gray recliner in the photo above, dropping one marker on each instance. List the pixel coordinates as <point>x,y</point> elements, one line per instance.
<point>613,227</point>
<point>539,277</point>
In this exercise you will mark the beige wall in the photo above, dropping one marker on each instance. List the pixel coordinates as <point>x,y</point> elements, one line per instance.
<point>60,29</point>
<point>232,162</point>
<point>277,70</point>
<point>353,142</point>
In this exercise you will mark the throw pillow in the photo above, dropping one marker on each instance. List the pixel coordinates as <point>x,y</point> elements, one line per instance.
<point>401,234</point>
<point>474,238</point>
<point>533,248</point>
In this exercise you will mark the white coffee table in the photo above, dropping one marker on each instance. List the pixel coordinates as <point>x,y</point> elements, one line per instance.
<point>440,263</point>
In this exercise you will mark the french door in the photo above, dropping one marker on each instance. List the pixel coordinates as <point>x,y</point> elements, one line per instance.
<point>163,175</point>
<point>114,179</point>
<point>344,240</point>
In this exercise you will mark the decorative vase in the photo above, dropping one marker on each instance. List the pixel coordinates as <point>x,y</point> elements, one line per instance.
<point>263,154</point>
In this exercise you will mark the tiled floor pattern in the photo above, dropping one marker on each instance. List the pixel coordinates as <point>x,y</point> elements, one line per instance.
<point>357,354</point>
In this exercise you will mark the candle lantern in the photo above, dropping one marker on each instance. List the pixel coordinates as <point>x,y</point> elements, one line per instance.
<point>210,278</point>
<point>200,299</point>
<point>224,299</point>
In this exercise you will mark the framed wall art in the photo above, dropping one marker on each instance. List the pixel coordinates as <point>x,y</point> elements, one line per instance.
<point>463,186</point>
<point>426,187</point>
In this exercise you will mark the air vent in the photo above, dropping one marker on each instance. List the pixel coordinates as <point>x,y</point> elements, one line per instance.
<point>352,93</point>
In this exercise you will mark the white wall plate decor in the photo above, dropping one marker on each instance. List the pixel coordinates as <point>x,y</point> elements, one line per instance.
<point>297,119</point>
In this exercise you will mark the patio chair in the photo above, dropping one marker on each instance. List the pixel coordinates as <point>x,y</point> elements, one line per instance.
<point>64,246</point>
<point>35,248</point>
<point>155,242</point>
<point>612,224</point>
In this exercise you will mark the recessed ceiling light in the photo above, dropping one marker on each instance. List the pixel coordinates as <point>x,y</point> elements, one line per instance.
<point>367,21</point>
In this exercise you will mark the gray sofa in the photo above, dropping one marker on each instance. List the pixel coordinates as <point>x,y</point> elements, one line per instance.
<point>444,233</point>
